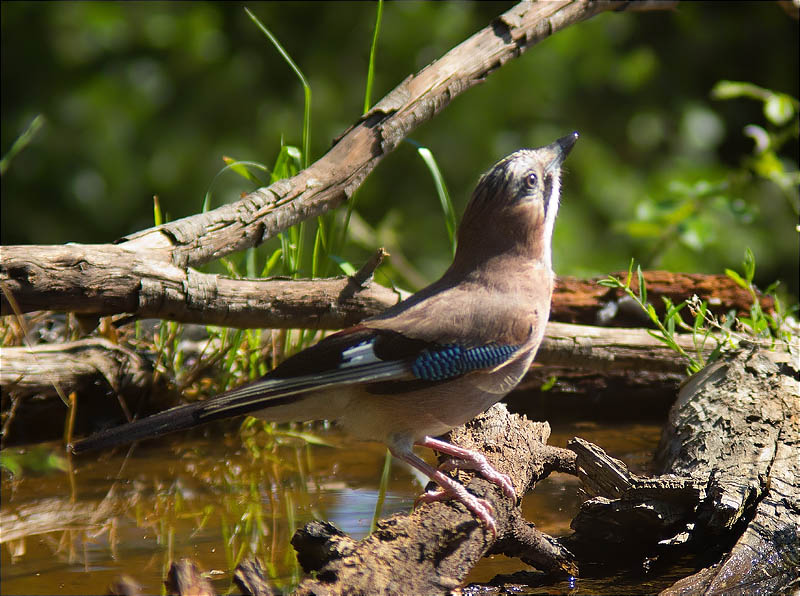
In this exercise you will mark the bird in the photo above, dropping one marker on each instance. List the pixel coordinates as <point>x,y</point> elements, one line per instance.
<point>431,362</point>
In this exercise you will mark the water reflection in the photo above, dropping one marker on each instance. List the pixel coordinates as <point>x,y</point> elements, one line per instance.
<point>218,500</point>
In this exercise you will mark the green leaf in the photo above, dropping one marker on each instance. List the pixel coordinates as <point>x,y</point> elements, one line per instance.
<point>549,383</point>
<point>700,317</point>
<point>651,312</point>
<point>642,285</point>
<point>307,437</point>
<point>630,275</point>
<point>240,167</point>
<point>673,310</point>
<point>737,278</point>
<point>611,282</point>
<point>287,164</point>
<point>661,338</point>
<point>344,265</point>
<point>749,265</point>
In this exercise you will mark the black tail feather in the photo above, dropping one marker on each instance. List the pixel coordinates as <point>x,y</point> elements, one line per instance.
<point>174,419</point>
<point>255,396</point>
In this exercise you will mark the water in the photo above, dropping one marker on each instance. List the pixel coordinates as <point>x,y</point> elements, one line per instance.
<point>214,500</point>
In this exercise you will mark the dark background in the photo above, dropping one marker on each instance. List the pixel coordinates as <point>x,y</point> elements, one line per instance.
<point>145,98</point>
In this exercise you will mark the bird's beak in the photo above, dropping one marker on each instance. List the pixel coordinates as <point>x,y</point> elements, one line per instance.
<point>559,150</point>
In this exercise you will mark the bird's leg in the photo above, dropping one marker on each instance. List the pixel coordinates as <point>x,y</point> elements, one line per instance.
<point>451,489</point>
<point>467,459</point>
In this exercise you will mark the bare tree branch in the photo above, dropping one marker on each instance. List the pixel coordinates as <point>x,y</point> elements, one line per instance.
<point>34,275</point>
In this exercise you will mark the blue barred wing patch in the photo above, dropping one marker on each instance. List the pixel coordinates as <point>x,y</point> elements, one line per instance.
<point>452,360</point>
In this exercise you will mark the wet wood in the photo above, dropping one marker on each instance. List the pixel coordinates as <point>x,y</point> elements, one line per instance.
<point>186,579</point>
<point>252,579</point>
<point>626,515</point>
<point>730,476</point>
<point>430,550</point>
<point>736,427</point>
<point>124,585</point>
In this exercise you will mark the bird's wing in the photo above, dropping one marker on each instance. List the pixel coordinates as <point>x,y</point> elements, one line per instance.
<point>358,355</point>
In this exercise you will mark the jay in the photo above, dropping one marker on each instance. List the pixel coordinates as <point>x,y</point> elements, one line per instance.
<point>433,361</point>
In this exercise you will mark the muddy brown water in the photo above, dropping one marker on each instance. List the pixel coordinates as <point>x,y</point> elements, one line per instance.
<point>214,500</point>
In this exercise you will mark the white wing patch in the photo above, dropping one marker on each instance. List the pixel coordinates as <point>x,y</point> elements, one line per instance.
<point>360,354</point>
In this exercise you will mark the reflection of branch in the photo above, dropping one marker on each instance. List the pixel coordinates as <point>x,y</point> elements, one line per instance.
<point>109,278</point>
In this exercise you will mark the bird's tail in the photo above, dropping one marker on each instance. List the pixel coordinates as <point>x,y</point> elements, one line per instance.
<point>259,395</point>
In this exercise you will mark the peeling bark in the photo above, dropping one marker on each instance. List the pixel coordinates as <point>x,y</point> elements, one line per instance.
<point>730,482</point>
<point>431,550</point>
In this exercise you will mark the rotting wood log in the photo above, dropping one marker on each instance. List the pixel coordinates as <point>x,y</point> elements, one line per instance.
<point>252,579</point>
<point>186,579</point>
<point>95,369</point>
<point>430,550</point>
<point>40,368</point>
<point>736,427</point>
<point>730,482</point>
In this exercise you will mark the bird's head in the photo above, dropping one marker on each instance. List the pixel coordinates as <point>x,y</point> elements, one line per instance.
<point>513,208</point>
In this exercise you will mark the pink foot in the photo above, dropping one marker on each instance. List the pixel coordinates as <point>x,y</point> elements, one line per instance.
<point>480,508</point>
<point>452,489</point>
<point>466,459</point>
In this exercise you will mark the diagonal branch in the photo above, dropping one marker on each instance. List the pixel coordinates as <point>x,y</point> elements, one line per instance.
<point>92,274</point>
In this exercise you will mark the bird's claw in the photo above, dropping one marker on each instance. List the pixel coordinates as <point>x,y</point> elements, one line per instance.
<point>480,508</point>
<point>485,469</point>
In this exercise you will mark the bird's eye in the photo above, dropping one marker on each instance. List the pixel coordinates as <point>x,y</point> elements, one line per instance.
<point>531,180</point>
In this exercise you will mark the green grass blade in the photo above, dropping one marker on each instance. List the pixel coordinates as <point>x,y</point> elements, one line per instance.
<point>158,217</point>
<point>372,50</point>
<point>21,142</point>
<point>306,87</point>
<point>387,466</point>
<point>441,191</point>
<point>346,267</point>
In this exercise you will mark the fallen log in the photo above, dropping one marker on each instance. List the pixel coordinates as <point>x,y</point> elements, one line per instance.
<point>99,370</point>
<point>431,550</point>
<point>729,484</point>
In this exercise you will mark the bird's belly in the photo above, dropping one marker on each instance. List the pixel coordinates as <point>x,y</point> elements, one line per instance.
<point>431,411</point>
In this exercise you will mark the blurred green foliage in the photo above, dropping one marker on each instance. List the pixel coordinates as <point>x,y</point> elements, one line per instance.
<point>142,99</point>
